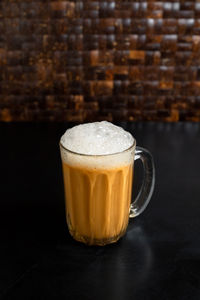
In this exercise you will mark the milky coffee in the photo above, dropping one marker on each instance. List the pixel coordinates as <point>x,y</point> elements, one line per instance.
<point>97,161</point>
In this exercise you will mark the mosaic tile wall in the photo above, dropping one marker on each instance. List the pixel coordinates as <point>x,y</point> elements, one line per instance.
<point>94,60</point>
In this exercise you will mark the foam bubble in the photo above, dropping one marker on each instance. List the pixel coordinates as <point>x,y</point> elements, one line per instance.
<point>96,139</point>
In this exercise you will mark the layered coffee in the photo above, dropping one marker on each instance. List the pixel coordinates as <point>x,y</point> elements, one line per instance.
<point>97,163</point>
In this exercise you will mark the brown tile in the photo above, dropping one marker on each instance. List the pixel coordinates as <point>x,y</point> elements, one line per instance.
<point>94,60</point>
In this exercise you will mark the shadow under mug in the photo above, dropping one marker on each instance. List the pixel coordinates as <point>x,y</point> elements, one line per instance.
<point>98,191</point>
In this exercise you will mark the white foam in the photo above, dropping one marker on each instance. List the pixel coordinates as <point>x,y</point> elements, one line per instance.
<point>95,139</point>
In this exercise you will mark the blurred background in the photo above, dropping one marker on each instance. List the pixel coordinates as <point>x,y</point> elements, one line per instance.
<point>93,60</point>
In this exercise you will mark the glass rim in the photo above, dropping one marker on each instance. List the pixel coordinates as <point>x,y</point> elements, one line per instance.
<point>99,155</point>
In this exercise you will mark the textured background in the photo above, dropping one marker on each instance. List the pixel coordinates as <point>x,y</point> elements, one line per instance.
<point>93,60</point>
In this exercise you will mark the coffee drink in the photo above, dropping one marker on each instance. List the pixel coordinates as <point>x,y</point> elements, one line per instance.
<point>97,161</point>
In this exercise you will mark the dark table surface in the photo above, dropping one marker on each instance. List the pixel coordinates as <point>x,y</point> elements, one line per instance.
<point>158,258</point>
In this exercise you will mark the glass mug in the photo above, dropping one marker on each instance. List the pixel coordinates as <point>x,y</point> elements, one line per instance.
<point>98,198</point>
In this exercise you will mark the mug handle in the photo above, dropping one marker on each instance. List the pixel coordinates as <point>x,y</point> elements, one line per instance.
<point>146,190</point>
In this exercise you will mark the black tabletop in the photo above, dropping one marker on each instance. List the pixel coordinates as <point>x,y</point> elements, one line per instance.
<point>158,258</point>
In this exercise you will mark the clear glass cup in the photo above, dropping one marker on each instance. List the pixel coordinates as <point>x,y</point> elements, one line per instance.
<point>98,191</point>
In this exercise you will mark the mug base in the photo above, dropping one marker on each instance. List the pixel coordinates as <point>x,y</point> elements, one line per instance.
<point>96,242</point>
